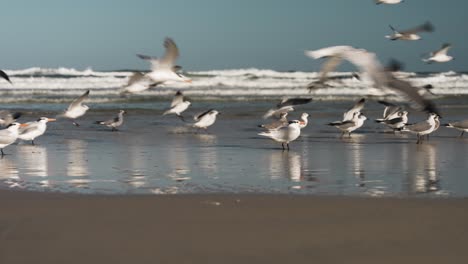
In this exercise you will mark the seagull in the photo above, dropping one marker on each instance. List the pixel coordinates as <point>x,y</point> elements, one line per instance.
<point>391,111</point>
<point>9,135</point>
<point>284,135</point>
<point>205,119</point>
<point>6,117</point>
<point>381,77</point>
<point>303,120</point>
<point>114,122</point>
<point>439,55</point>
<point>178,105</point>
<point>137,82</point>
<point>396,122</point>
<point>357,107</point>
<point>293,101</point>
<point>283,121</point>
<point>422,128</point>
<point>348,126</point>
<point>76,108</point>
<point>459,125</point>
<point>164,69</point>
<point>5,76</point>
<point>278,111</point>
<point>411,33</point>
<point>388,2</point>
<point>32,130</point>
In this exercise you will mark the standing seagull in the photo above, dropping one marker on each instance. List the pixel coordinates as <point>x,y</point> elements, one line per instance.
<point>396,123</point>
<point>382,78</point>
<point>388,2</point>
<point>114,122</point>
<point>284,135</point>
<point>32,130</point>
<point>205,119</point>
<point>422,128</point>
<point>178,105</point>
<point>9,135</point>
<point>460,125</point>
<point>76,108</point>
<point>410,34</point>
<point>164,69</point>
<point>348,126</point>
<point>439,55</point>
<point>4,76</point>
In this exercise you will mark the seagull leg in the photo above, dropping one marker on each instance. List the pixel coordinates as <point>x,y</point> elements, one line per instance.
<point>3,154</point>
<point>463,132</point>
<point>417,142</point>
<point>181,118</point>
<point>287,144</point>
<point>32,142</point>
<point>76,124</point>
<point>349,134</point>
<point>282,145</point>
<point>114,129</point>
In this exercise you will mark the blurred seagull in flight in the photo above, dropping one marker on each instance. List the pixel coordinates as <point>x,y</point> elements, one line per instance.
<point>76,108</point>
<point>440,55</point>
<point>32,130</point>
<point>138,82</point>
<point>388,2</point>
<point>285,134</point>
<point>205,119</point>
<point>410,34</point>
<point>6,117</point>
<point>381,77</point>
<point>178,105</point>
<point>164,69</point>
<point>114,122</point>
<point>9,135</point>
<point>357,107</point>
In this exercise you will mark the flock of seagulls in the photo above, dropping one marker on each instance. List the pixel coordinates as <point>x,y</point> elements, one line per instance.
<point>165,70</point>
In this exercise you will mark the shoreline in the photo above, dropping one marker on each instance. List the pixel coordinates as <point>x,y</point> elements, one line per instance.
<point>229,228</point>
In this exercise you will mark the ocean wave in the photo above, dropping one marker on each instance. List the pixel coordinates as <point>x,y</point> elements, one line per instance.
<point>60,84</point>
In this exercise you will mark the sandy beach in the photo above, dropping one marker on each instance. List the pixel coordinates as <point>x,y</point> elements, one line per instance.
<point>229,228</point>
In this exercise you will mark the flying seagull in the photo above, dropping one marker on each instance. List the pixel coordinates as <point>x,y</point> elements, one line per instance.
<point>381,77</point>
<point>410,34</point>
<point>440,55</point>
<point>164,69</point>
<point>76,108</point>
<point>178,105</point>
<point>388,2</point>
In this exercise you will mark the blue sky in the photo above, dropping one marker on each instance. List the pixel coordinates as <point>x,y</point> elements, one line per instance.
<point>217,34</point>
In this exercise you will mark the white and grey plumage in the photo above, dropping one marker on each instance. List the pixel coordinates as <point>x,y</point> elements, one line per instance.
<point>293,101</point>
<point>440,55</point>
<point>459,125</point>
<point>9,135</point>
<point>278,111</point>
<point>32,130</point>
<point>391,111</point>
<point>410,34</point>
<point>114,122</point>
<point>7,117</point>
<point>304,120</point>
<point>422,128</point>
<point>178,105</point>
<point>388,2</point>
<point>205,119</point>
<point>5,76</point>
<point>382,78</point>
<point>348,126</point>
<point>281,122</point>
<point>164,69</point>
<point>284,135</point>
<point>396,122</point>
<point>138,82</point>
<point>77,108</point>
<point>357,107</point>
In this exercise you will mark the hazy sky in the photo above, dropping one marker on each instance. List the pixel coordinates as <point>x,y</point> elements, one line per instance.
<point>222,34</point>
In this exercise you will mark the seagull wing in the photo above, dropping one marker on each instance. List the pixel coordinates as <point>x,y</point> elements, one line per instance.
<point>443,50</point>
<point>79,100</point>
<point>172,53</point>
<point>178,98</point>
<point>426,27</point>
<point>294,101</point>
<point>4,76</point>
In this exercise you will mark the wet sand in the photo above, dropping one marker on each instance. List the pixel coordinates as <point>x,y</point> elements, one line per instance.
<point>229,228</point>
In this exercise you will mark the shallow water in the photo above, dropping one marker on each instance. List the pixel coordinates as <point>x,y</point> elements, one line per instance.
<point>155,154</point>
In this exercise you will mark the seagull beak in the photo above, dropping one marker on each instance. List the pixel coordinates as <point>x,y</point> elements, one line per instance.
<point>51,119</point>
<point>23,125</point>
<point>188,81</point>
